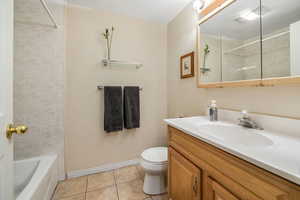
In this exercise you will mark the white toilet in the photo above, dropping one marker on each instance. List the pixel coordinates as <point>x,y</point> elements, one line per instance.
<point>155,163</point>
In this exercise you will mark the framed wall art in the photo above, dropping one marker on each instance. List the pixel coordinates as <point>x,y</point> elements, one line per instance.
<point>187,65</point>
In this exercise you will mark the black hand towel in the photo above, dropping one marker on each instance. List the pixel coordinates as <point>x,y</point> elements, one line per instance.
<point>113,109</point>
<point>131,107</point>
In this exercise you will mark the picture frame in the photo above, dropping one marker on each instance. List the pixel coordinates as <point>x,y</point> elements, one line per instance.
<point>187,63</point>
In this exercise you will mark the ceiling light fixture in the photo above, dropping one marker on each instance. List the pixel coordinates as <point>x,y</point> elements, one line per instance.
<point>198,5</point>
<point>250,16</point>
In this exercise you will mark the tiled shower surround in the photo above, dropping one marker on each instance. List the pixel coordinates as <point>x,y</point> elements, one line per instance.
<point>39,80</point>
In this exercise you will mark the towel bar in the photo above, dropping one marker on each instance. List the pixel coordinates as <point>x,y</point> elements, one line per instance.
<point>102,87</point>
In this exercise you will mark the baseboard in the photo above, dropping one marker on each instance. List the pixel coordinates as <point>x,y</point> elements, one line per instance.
<point>62,178</point>
<point>103,168</point>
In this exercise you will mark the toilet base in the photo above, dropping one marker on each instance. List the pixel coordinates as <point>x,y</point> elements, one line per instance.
<point>154,184</point>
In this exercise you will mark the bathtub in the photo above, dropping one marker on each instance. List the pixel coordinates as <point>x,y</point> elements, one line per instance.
<point>36,178</point>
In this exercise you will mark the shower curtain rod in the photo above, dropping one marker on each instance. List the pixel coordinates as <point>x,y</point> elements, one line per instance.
<point>43,2</point>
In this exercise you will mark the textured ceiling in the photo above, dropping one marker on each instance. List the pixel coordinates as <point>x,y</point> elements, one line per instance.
<point>162,11</point>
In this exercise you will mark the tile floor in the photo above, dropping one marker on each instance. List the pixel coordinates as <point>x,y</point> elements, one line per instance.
<point>121,184</point>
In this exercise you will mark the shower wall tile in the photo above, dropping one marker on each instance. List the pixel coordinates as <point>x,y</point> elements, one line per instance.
<point>39,62</point>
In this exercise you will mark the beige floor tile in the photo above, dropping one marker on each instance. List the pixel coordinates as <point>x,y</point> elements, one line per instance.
<point>160,197</point>
<point>108,193</point>
<point>131,190</point>
<point>100,180</point>
<point>76,197</point>
<point>126,174</point>
<point>71,187</point>
<point>141,171</point>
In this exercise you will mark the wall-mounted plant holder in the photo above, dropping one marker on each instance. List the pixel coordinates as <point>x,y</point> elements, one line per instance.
<point>108,36</point>
<point>204,70</point>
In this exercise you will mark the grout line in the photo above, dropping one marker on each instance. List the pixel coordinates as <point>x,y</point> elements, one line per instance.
<point>115,180</point>
<point>69,196</point>
<point>64,196</point>
<point>140,173</point>
<point>115,176</point>
<point>104,187</point>
<point>55,190</point>
<point>87,183</point>
<point>86,187</point>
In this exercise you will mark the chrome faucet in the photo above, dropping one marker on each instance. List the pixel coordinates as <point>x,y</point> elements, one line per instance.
<point>247,122</point>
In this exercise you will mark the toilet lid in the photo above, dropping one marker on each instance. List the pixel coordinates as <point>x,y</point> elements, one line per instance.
<point>156,154</point>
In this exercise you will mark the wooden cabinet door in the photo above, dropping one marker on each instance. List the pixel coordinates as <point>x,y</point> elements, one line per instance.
<point>184,178</point>
<point>219,192</point>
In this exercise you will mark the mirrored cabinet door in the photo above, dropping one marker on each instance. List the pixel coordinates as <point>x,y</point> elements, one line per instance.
<point>230,48</point>
<point>241,46</point>
<point>210,69</point>
<point>281,38</point>
<point>250,43</point>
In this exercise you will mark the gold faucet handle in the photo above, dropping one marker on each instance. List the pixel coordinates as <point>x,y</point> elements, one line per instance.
<point>15,130</point>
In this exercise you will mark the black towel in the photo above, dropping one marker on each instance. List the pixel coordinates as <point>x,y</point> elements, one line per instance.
<point>131,107</point>
<point>113,109</point>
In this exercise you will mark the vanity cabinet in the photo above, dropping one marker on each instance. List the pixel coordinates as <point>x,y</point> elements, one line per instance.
<point>198,170</point>
<point>219,192</point>
<point>186,178</point>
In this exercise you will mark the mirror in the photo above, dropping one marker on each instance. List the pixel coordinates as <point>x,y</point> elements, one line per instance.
<point>228,36</point>
<point>281,38</point>
<point>210,66</point>
<point>249,41</point>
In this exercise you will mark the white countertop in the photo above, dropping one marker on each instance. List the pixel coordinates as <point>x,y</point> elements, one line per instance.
<point>281,157</point>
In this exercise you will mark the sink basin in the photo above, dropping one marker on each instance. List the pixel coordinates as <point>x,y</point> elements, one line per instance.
<point>225,132</point>
<point>235,134</point>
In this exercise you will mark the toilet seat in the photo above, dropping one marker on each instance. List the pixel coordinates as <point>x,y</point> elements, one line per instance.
<point>156,155</point>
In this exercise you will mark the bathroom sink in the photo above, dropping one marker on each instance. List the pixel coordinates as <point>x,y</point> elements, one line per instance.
<point>226,132</point>
<point>191,123</point>
<point>235,134</point>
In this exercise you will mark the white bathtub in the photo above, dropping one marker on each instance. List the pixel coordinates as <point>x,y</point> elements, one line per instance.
<point>36,178</point>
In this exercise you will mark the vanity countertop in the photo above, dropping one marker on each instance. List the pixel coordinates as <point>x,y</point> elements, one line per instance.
<point>276,152</point>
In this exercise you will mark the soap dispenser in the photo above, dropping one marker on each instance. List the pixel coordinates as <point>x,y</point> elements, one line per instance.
<point>213,111</point>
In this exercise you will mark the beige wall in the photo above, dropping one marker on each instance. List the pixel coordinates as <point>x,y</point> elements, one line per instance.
<point>39,61</point>
<point>183,97</point>
<point>87,144</point>
<point>281,100</point>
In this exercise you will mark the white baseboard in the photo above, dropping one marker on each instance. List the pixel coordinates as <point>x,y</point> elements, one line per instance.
<point>62,178</point>
<point>103,168</point>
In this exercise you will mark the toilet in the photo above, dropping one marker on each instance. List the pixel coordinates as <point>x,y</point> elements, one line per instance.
<point>155,163</point>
